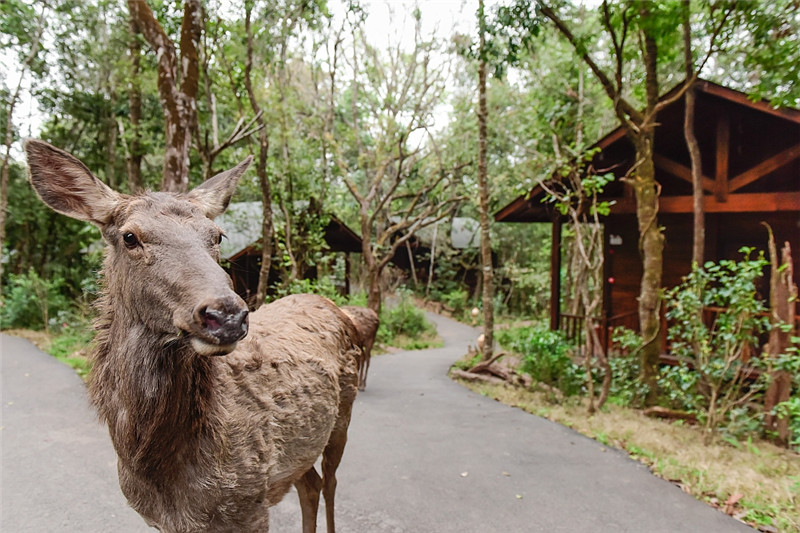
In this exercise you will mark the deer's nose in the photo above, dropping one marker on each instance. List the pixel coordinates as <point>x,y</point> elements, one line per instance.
<point>225,320</point>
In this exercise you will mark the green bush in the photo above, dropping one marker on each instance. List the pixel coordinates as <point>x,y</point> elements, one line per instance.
<point>546,357</point>
<point>710,379</point>
<point>323,286</point>
<point>404,319</point>
<point>790,410</point>
<point>32,302</point>
<point>626,389</point>
<point>456,300</point>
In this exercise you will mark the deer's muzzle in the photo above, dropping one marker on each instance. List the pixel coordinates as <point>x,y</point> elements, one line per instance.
<point>217,325</point>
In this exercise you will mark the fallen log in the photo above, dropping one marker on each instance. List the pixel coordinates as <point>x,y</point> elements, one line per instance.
<point>669,414</point>
<point>470,376</point>
<point>483,366</point>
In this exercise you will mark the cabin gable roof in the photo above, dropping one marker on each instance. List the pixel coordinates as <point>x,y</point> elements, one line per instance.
<point>750,159</point>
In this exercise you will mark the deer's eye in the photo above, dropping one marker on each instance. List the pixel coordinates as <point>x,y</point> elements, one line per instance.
<point>130,240</point>
<point>219,239</point>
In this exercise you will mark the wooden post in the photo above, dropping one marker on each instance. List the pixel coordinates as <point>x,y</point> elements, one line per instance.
<point>555,274</point>
<point>723,148</point>
<point>605,335</point>
<point>347,274</point>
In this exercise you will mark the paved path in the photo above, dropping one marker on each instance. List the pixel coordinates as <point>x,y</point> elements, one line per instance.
<point>413,436</point>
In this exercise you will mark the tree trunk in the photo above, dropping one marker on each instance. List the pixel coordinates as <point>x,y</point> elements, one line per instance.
<point>483,184</point>
<point>178,100</point>
<point>647,191</point>
<point>782,302</point>
<point>651,247</point>
<point>267,229</point>
<point>699,233</point>
<point>134,156</point>
<point>374,293</point>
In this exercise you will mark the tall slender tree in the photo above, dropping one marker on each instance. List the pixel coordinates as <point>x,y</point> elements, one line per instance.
<point>386,168</point>
<point>699,226</point>
<point>133,156</point>
<point>261,166</point>
<point>483,191</point>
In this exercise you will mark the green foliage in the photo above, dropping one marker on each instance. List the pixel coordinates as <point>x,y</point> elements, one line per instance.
<point>68,342</point>
<point>405,322</point>
<point>546,357</point>
<point>32,302</point>
<point>710,379</point>
<point>790,410</point>
<point>626,388</point>
<point>52,245</point>
<point>765,52</point>
<point>323,286</point>
<point>456,300</point>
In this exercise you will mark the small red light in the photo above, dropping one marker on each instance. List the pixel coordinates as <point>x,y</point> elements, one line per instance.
<point>611,280</point>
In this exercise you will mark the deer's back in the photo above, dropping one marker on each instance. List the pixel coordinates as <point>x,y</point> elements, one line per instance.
<point>292,370</point>
<point>365,320</point>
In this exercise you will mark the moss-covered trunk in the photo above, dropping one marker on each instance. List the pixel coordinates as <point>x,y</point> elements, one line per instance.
<point>651,247</point>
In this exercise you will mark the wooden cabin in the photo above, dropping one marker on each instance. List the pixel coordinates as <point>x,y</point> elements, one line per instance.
<point>241,250</point>
<point>751,174</point>
<point>460,235</point>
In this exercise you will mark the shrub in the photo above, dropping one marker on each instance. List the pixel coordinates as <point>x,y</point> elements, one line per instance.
<point>32,302</point>
<point>710,379</point>
<point>404,320</point>
<point>546,357</point>
<point>790,410</point>
<point>324,286</point>
<point>627,388</point>
<point>456,300</point>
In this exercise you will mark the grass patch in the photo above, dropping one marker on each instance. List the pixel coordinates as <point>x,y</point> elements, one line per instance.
<point>421,342</point>
<point>70,347</point>
<point>765,477</point>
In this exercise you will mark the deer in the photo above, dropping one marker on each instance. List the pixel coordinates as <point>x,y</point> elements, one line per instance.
<point>214,412</point>
<point>366,322</point>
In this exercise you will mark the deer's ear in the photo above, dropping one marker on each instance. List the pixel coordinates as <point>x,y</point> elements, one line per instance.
<point>67,186</point>
<point>214,195</point>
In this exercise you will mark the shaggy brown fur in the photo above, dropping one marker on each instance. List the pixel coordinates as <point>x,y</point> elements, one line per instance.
<point>204,443</point>
<point>366,321</point>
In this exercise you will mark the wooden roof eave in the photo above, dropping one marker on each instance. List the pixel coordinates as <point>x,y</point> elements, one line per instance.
<point>527,208</point>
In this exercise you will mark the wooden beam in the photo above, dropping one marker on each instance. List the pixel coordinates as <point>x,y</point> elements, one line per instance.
<point>723,151</point>
<point>765,167</point>
<point>768,202</point>
<point>610,139</point>
<point>680,171</point>
<point>742,99</point>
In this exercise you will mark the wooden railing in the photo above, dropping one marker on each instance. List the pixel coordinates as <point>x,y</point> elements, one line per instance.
<point>573,328</point>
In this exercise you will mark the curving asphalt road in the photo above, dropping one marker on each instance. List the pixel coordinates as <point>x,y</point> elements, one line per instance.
<point>425,456</point>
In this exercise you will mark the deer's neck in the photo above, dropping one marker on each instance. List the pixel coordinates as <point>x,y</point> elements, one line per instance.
<point>156,395</point>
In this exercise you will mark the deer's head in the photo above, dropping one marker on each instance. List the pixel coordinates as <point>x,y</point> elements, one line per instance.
<point>162,266</point>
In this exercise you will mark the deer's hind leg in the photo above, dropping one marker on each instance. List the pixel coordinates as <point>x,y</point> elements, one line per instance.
<point>332,455</point>
<point>308,490</point>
